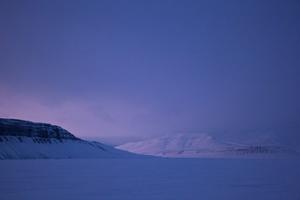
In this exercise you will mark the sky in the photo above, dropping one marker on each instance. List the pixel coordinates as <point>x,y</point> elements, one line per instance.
<point>140,69</point>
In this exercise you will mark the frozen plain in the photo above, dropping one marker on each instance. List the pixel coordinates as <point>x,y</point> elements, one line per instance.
<point>150,178</point>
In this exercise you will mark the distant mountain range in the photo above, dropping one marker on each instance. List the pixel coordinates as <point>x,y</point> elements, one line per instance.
<point>21,139</point>
<point>203,145</point>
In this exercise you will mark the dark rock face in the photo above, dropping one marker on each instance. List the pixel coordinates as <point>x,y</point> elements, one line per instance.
<point>14,127</point>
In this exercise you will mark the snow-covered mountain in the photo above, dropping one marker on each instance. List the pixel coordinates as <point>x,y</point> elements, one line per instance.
<point>202,145</point>
<point>28,140</point>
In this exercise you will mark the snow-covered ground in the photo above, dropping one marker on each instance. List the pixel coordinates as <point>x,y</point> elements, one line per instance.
<point>152,178</point>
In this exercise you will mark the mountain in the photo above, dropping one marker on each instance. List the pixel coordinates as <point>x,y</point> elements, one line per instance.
<point>21,139</point>
<point>202,145</point>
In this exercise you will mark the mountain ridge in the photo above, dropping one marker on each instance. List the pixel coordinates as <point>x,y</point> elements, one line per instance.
<point>20,139</point>
<point>202,145</point>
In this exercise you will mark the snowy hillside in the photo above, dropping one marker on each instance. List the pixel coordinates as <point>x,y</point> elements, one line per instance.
<point>27,140</point>
<point>201,145</point>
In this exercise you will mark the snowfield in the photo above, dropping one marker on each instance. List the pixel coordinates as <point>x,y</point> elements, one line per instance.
<point>150,179</point>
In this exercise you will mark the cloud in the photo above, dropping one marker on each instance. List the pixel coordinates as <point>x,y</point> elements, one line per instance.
<point>83,117</point>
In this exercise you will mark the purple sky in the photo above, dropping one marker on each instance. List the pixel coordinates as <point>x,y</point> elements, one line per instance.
<point>146,68</point>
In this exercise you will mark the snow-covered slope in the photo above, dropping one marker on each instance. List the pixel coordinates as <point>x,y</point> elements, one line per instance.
<point>28,140</point>
<point>202,145</point>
